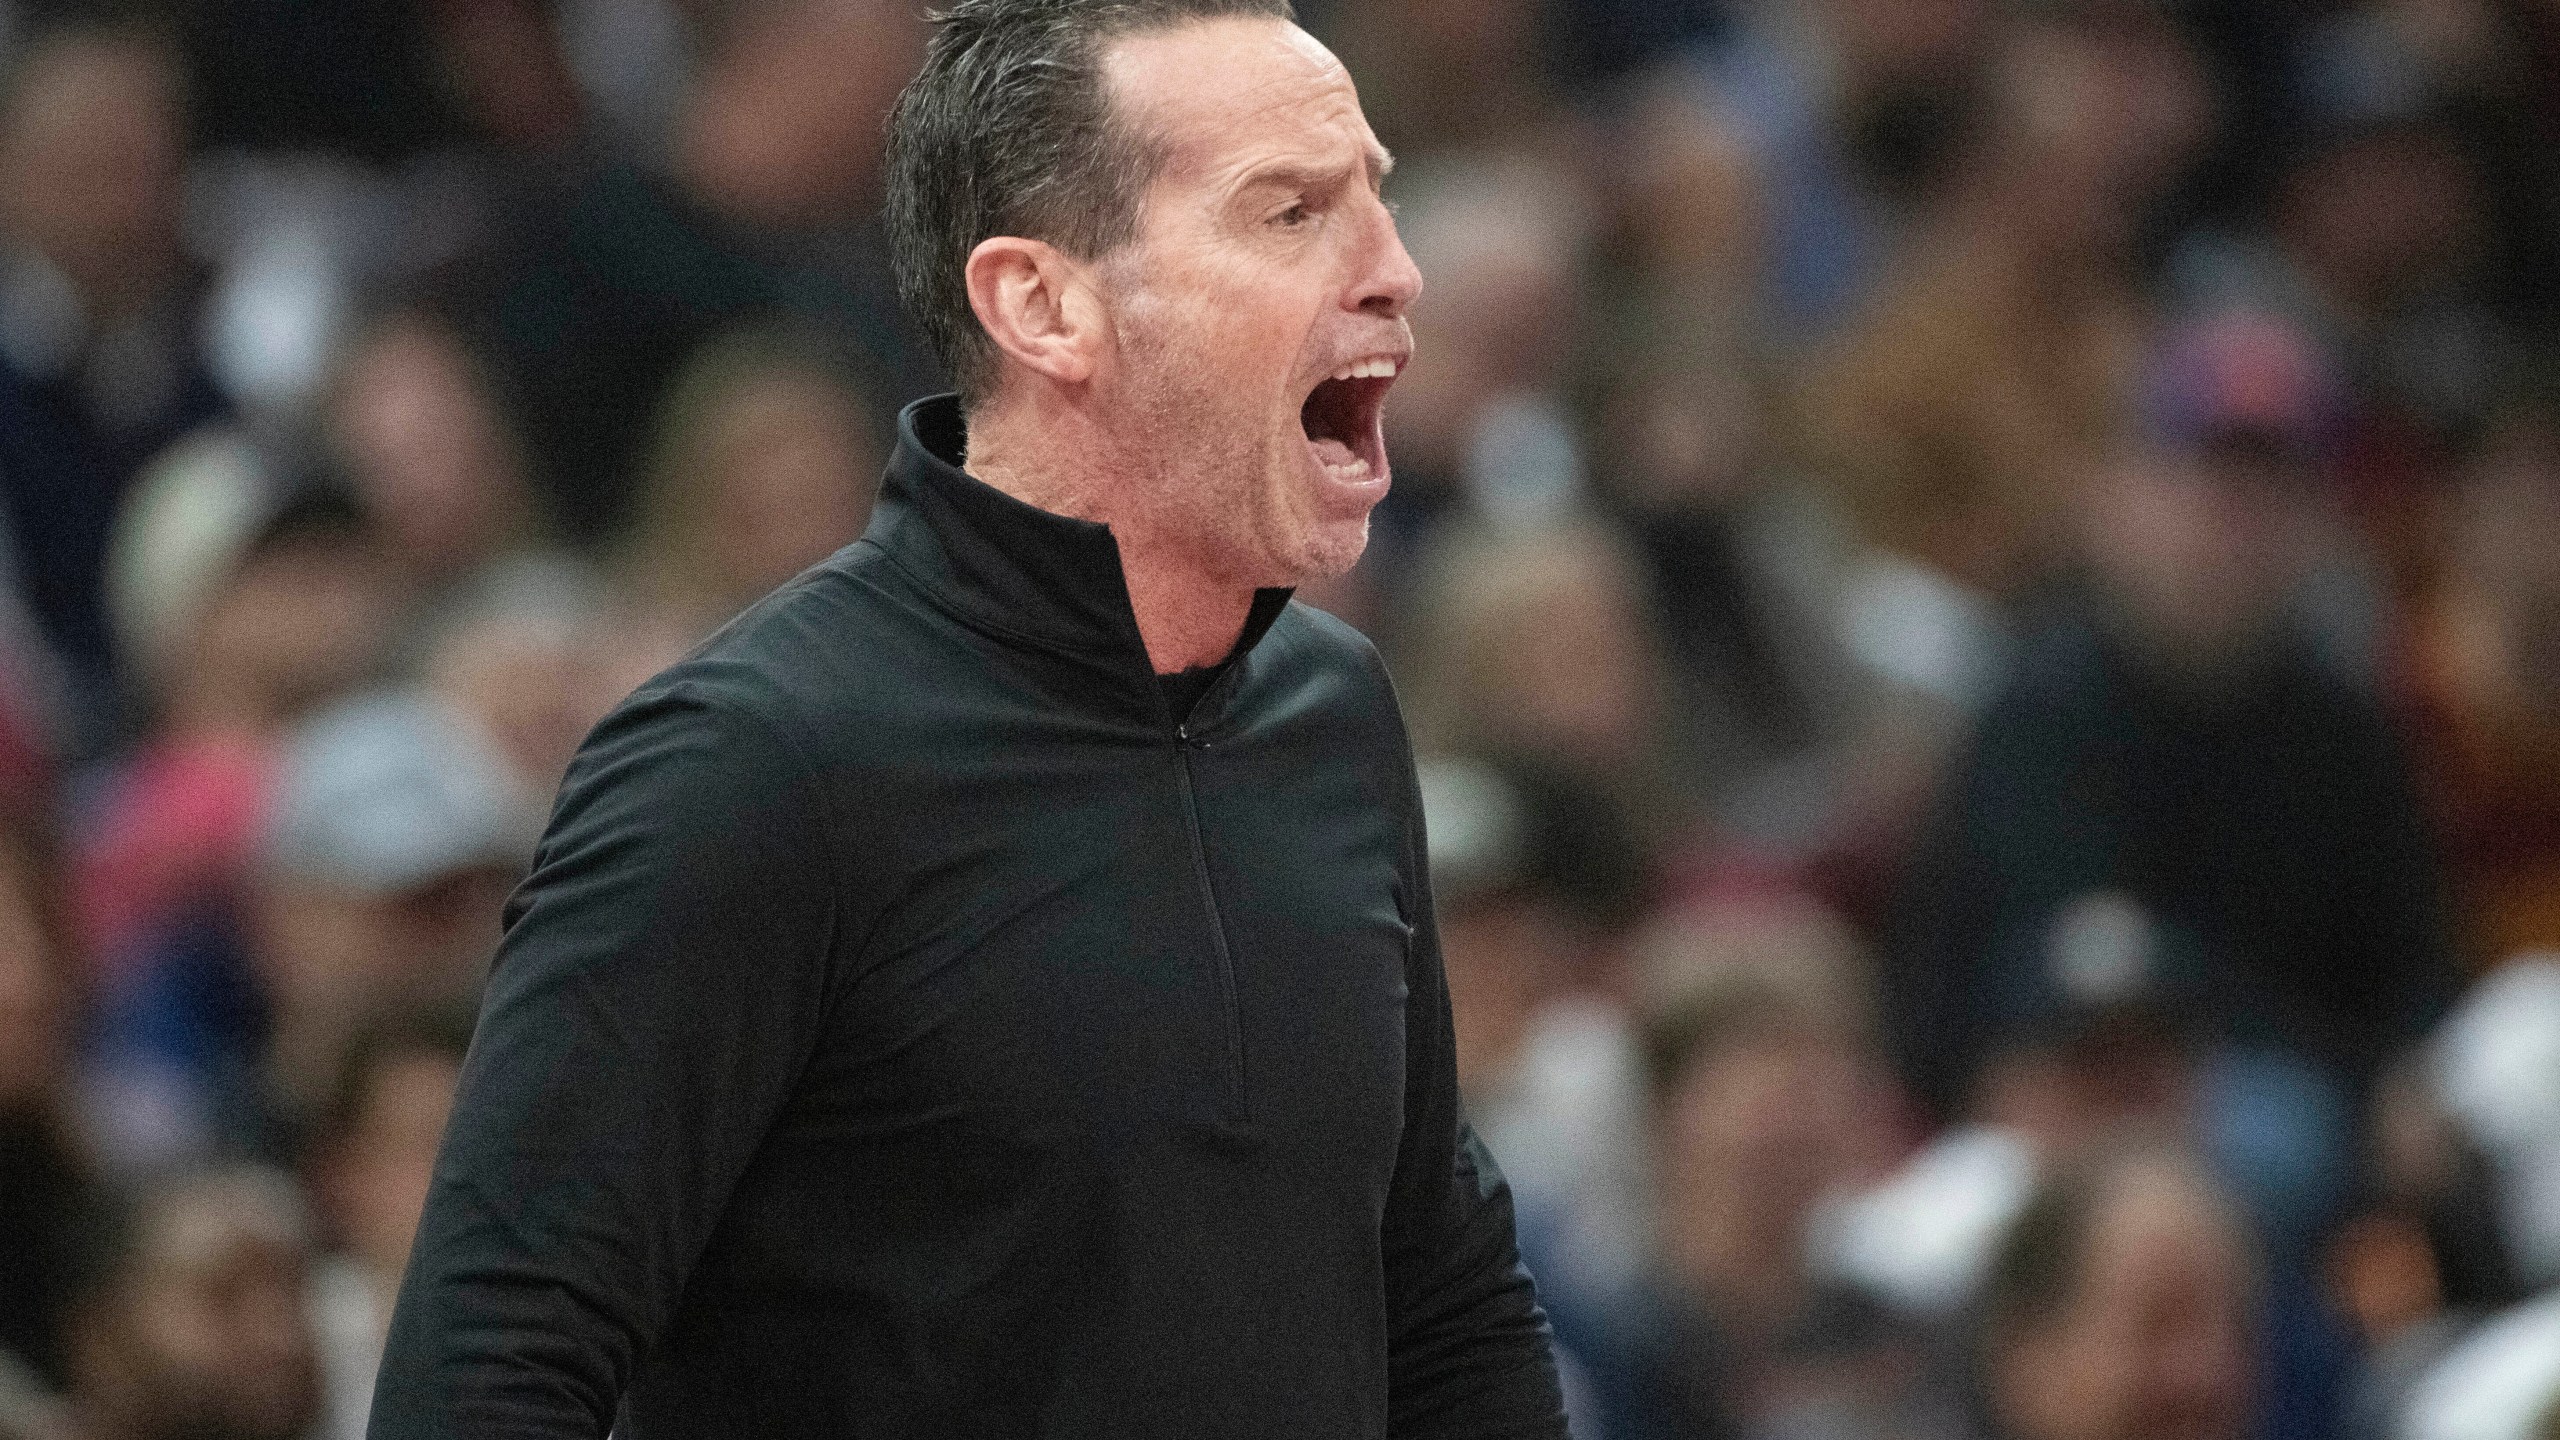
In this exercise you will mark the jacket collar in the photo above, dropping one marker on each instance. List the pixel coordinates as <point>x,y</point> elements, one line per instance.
<point>1011,568</point>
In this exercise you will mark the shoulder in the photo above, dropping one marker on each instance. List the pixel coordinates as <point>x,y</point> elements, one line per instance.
<point>806,659</point>
<point>1327,688</point>
<point>1322,643</point>
<point>1333,669</point>
<point>749,707</point>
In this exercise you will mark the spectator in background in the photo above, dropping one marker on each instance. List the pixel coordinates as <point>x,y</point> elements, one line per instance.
<point>395,834</point>
<point>761,213</point>
<point>370,1159</point>
<point>1988,385</point>
<point>390,837</point>
<point>2173,741</point>
<point>1830,114</point>
<point>350,148</point>
<point>1538,641</point>
<point>1744,561</point>
<point>2481,671</point>
<point>426,452</point>
<point>46,1189</point>
<point>2120,1307</point>
<point>193,1323</point>
<point>2377,240</point>
<point>1536,879</point>
<point>98,366</point>
<point>241,605</point>
<point>2096,1047</point>
<point>765,464</point>
<point>1763,1091</point>
<point>523,651</point>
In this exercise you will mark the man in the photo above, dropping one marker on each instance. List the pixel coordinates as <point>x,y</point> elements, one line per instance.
<point>2122,1303</point>
<point>192,1323</point>
<point>991,989</point>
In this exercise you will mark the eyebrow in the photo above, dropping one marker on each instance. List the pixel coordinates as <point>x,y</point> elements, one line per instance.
<point>1377,164</point>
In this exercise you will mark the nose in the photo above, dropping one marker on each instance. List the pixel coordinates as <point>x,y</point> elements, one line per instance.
<point>1389,282</point>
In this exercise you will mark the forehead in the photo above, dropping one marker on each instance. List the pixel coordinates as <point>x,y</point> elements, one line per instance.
<point>1222,93</point>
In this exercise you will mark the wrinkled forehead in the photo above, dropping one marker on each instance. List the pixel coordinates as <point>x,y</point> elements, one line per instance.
<point>1216,94</point>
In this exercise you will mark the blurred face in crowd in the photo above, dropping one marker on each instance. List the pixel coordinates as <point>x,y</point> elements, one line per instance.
<point>91,145</point>
<point>530,680</point>
<point>1257,319</point>
<point>792,469</point>
<point>301,620</point>
<point>2092,125</point>
<point>1554,652</point>
<point>2204,548</point>
<point>375,1178</point>
<point>328,956</point>
<point>2154,1342</point>
<point>426,450</point>
<point>1755,1129</point>
<point>205,1334</point>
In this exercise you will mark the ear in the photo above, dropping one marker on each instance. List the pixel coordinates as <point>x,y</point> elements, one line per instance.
<point>1039,306</point>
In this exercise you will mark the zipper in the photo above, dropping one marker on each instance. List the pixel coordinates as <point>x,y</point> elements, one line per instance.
<point>1228,1007</point>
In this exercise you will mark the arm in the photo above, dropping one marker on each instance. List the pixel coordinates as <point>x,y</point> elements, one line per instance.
<point>660,985</point>
<point>1468,1352</point>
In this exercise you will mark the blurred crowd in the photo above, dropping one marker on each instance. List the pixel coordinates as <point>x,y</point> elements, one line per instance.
<point>1977,581</point>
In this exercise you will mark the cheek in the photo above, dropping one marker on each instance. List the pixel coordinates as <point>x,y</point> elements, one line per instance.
<point>1220,334</point>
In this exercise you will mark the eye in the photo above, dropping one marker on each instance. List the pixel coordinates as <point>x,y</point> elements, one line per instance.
<point>1293,217</point>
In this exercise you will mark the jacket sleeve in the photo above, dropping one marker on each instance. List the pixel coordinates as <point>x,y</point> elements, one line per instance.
<point>1469,1356</point>
<point>657,992</point>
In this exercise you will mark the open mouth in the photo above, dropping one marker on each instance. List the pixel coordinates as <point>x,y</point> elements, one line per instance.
<point>1341,418</point>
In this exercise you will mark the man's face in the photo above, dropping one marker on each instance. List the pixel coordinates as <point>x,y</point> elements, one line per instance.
<point>1259,315</point>
<point>2156,1344</point>
<point>213,1341</point>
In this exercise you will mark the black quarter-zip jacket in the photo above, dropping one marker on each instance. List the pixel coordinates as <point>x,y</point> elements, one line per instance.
<point>911,1028</point>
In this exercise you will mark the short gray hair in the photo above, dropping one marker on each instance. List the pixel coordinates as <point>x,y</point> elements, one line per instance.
<point>1007,130</point>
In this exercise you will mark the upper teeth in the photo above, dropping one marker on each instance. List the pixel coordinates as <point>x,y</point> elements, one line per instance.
<point>1376,368</point>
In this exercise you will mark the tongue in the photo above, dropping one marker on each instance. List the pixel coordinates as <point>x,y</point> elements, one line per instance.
<point>1333,453</point>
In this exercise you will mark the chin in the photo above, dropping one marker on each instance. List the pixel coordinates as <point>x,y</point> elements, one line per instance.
<point>1332,551</point>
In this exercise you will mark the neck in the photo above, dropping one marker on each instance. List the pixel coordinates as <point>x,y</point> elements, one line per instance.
<point>1047,451</point>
